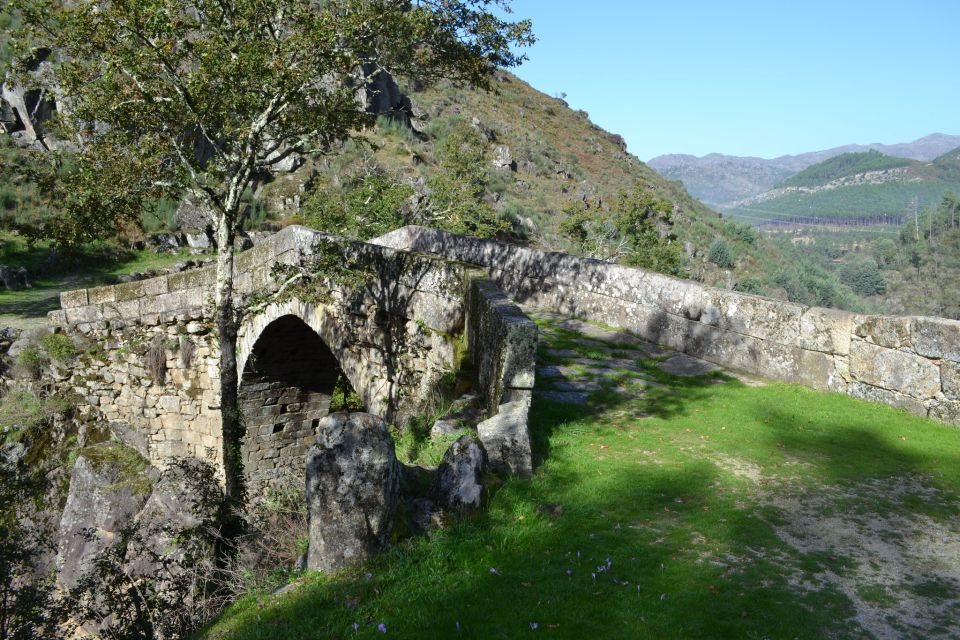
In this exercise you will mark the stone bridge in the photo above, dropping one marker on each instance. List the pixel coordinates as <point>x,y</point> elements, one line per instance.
<point>422,314</point>
<point>398,328</point>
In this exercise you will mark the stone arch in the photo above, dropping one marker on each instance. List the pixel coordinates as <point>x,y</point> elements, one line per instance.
<point>289,356</point>
<point>285,389</point>
<point>358,360</point>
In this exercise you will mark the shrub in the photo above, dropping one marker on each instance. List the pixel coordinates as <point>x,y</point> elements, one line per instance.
<point>864,277</point>
<point>742,231</point>
<point>157,359</point>
<point>59,347</point>
<point>720,254</point>
<point>750,284</point>
<point>31,360</point>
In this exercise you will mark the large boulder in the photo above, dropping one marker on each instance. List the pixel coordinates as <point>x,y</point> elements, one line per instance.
<point>460,476</point>
<point>109,485</point>
<point>353,490</point>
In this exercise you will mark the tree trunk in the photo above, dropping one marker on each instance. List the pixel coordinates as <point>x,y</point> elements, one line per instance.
<point>227,335</point>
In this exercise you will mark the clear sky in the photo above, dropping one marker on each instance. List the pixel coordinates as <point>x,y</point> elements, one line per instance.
<point>743,77</point>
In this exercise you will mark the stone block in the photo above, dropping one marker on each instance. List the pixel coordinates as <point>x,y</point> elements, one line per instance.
<point>155,286</point>
<point>894,370</point>
<point>819,371</point>
<point>506,439</point>
<point>885,396</point>
<point>950,378</point>
<point>88,314</point>
<point>936,338</point>
<point>71,299</point>
<point>128,291</point>
<point>99,295</point>
<point>892,332</point>
<point>946,411</point>
<point>826,330</point>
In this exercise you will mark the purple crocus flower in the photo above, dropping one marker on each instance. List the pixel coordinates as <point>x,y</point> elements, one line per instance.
<point>533,626</point>
<point>382,628</point>
<point>356,626</point>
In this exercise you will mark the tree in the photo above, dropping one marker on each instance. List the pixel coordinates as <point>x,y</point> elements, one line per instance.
<point>201,96</point>
<point>636,232</point>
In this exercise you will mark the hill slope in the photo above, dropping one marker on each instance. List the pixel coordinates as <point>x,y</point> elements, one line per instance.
<point>720,179</point>
<point>855,188</point>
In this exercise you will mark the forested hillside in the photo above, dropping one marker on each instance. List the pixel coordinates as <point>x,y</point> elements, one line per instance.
<point>855,190</point>
<point>847,164</point>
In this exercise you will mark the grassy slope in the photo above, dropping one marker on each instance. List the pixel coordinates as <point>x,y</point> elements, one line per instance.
<point>691,538</point>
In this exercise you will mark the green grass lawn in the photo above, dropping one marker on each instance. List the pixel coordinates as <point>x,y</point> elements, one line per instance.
<point>29,307</point>
<point>704,508</point>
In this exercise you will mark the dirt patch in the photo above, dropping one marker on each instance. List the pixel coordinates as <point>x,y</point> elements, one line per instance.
<point>899,569</point>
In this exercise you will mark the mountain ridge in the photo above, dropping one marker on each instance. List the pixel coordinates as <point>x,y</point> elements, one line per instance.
<point>718,179</point>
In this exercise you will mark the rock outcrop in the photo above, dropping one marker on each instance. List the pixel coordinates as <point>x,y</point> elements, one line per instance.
<point>353,490</point>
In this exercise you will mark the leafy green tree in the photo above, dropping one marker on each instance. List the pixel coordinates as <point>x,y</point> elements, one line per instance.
<point>864,277</point>
<point>201,96</point>
<point>457,189</point>
<point>720,254</point>
<point>635,232</point>
<point>365,207</point>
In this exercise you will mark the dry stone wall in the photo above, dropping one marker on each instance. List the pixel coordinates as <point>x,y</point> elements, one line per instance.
<point>908,362</point>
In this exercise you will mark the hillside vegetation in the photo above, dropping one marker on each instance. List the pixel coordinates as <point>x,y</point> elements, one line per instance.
<point>856,189</point>
<point>847,164</point>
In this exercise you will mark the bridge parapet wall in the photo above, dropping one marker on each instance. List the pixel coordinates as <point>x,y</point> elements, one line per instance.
<point>907,362</point>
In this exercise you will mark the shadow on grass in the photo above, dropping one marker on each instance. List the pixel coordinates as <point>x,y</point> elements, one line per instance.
<point>615,563</point>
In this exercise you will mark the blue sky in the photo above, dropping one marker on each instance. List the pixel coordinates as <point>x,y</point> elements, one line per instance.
<point>748,77</point>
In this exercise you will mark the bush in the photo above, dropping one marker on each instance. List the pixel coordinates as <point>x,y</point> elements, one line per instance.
<point>742,231</point>
<point>31,360</point>
<point>720,254</point>
<point>864,277</point>
<point>750,284</point>
<point>59,347</point>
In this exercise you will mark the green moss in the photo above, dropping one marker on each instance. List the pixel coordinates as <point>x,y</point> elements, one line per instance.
<point>130,466</point>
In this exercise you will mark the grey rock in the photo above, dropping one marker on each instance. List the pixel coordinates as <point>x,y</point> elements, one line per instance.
<point>198,240</point>
<point>506,439</point>
<point>192,214</point>
<point>443,427</point>
<point>502,159</point>
<point>173,528</point>
<point>460,475</point>
<point>353,489</point>
<point>103,500</point>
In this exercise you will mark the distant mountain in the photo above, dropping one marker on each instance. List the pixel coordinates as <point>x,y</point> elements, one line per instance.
<point>719,180</point>
<point>854,188</point>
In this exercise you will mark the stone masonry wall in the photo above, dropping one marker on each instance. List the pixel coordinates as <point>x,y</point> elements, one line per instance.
<point>908,362</point>
<point>503,345</point>
<point>394,339</point>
